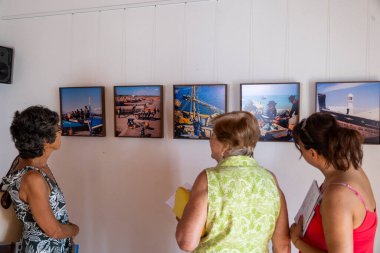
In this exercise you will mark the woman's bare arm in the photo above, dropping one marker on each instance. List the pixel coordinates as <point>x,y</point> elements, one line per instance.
<point>35,191</point>
<point>281,237</point>
<point>189,228</point>
<point>337,210</point>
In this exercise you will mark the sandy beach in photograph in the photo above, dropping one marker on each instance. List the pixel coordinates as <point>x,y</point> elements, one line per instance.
<point>138,116</point>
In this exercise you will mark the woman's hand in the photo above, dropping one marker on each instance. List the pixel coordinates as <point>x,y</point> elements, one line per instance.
<point>296,231</point>
<point>75,229</point>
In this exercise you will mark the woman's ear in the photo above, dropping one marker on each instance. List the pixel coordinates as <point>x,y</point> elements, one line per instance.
<point>314,154</point>
<point>225,149</point>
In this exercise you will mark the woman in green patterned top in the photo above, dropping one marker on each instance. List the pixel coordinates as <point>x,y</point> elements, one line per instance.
<point>238,202</point>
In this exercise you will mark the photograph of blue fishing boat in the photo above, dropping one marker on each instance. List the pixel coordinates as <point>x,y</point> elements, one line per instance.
<point>276,107</point>
<point>82,111</point>
<point>355,105</point>
<point>194,108</point>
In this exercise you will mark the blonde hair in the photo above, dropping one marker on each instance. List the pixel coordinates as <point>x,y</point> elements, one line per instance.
<point>239,130</point>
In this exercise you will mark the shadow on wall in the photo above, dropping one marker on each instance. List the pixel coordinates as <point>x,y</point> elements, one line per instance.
<point>117,195</point>
<point>10,226</point>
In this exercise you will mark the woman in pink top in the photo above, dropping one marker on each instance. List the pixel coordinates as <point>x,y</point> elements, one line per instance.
<point>345,219</point>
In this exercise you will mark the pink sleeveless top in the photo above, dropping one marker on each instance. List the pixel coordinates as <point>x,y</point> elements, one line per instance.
<point>363,236</point>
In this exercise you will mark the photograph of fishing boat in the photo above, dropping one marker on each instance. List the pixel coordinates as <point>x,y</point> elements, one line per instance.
<point>138,111</point>
<point>194,108</point>
<point>355,105</point>
<point>276,107</point>
<point>82,111</point>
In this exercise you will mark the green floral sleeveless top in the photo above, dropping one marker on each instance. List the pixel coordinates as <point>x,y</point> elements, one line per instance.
<point>243,207</point>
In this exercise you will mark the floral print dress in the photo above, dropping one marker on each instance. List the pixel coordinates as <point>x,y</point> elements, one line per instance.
<point>34,240</point>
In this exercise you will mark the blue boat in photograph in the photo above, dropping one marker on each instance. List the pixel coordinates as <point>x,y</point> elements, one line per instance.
<point>82,122</point>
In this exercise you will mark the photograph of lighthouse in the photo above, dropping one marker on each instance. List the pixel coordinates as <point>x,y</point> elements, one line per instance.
<point>82,111</point>
<point>194,108</point>
<point>355,105</point>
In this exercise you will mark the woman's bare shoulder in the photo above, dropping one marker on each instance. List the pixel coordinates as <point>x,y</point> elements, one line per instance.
<point>33,179</point>
<point>201,181</point>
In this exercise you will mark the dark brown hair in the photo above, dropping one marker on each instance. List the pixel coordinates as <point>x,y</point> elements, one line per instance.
<point>237,129</point>
<point>341,147</point>
<point>33,127</point>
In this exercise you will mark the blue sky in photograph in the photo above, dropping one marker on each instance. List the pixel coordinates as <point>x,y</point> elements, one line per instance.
<point>210,94</point>
<point>366,95</point>
<point>269,89</point>
<point>138,90</point>
<point>261,94</point>
<point>77,98</point>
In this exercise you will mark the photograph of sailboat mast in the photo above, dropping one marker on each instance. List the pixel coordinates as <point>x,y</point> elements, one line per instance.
<point>194,108</point>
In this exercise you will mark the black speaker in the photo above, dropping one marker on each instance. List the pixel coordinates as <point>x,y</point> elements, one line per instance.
<point>6,62</point>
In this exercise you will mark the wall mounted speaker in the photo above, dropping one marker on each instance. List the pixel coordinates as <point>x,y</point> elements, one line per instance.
<point>6,62</point>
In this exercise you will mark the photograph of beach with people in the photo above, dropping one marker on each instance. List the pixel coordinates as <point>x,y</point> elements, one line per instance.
<point>138,111</point>
<point>355,105</point>
<point>194,108</point>
<point>276,107</point>
<point>82,111</point>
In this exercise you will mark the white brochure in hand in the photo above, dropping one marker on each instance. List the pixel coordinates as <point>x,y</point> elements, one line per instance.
<point>307,208</point>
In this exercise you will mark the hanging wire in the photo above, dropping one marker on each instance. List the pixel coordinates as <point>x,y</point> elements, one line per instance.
<point>215,60</point>
<point>368,41</point>
<point>328,41</point>
<point>71,45</point>
<point>286,47</point>
<point>251,42</point>
<point>124,46</point>
<point>98,45</point>
<point>184,43</point>
<point>154,42</point>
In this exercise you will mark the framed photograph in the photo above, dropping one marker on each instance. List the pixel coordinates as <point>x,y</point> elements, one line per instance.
<point>82,111</point>
<point>194,108</point>
<point>138,111</point>
<point>276,107</point>
<point>355,105</point>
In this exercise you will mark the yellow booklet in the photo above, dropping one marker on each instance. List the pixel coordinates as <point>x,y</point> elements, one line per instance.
<point>182,196</point>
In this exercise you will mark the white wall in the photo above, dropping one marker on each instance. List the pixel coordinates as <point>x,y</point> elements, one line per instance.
<point>116,187</point>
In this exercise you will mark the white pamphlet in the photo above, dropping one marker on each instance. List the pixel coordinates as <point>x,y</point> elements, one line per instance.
<point>307,208</point>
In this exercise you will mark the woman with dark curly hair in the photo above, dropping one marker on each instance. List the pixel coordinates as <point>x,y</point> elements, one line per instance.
<point>36,196</point>
<point>345,218</point>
